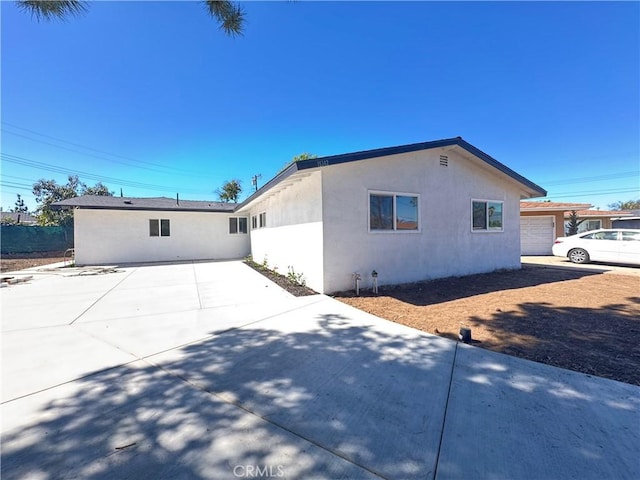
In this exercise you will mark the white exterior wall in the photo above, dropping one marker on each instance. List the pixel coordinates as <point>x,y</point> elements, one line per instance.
<point>294,232</point>
<point>445,245</point>
<point>119,236</point>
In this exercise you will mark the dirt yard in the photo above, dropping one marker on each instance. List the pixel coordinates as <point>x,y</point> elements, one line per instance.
<point>19,261</point>
<point>582,321</point>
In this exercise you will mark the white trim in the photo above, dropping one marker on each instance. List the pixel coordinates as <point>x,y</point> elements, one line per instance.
<point>393,195</point>
<point>159,224</point>
<point>237,218</point>
<point>487,230</point>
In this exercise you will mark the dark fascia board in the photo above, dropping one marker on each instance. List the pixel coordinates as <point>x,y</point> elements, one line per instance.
<point>383,152</point>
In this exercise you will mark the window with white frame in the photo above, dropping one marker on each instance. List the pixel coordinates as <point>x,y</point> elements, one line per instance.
<point>486,216</point>
<point>237,225</point>
<point>159,227</point>
<point>393,212</point>
<point>262,220</point>
<point>589,225</point>
<point>254,222</point>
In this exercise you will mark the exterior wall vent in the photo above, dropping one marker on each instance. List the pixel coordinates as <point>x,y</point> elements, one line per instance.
<point>444,161</point>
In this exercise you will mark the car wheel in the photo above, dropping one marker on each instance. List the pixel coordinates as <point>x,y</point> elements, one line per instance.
<point>578,255</point>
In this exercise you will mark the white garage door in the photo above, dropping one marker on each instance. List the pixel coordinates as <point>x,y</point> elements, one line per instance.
<point>537,235</point>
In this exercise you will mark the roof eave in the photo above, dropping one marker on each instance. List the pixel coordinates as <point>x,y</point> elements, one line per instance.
<point>531,189</point>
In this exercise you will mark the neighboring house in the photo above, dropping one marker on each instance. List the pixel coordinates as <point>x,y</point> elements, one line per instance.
<point>541,223</point>
<point>594,219</point>
<point>113,230</point>
<point>631,220</point>
<point>18,218</point>
<point>412,212</point>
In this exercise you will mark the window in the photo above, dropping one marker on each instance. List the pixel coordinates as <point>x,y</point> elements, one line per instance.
<point>262,220</point>
<point>589,225</point>
<point>601,236</point>
<point>630,237</point>
<point>254,222</point>
<point>486,216</point>
<point>586,225</point>
<point>393,212</point>
<point>159,228</point>
<point>237,225</point>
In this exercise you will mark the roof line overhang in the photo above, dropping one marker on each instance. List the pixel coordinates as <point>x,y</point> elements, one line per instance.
<point>531,188</point>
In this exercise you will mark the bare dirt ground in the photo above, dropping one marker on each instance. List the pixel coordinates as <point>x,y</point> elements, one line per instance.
<point>19,261</point>
<point>579,320</point>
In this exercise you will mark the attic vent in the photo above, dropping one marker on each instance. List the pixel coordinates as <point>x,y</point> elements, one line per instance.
<point>444,161</point>
<point>128,202</point>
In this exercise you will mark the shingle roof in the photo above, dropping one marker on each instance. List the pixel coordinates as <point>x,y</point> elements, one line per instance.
<point>25,218</point>
<point>133,203</point>
<point>382,152</point>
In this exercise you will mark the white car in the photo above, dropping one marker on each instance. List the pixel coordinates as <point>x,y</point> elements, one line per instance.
<point>615,246</point>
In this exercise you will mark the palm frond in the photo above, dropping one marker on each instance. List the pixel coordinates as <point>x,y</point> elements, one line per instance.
<point>229,15</point>
<point>53,9</point>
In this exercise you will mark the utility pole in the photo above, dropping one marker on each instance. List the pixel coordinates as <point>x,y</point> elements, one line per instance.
<point>254,181</point>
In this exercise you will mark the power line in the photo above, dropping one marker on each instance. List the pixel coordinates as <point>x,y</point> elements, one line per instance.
<point>172,170</point>
<point>593,193</point>
<point>100,178</point>
<point>596,178</point>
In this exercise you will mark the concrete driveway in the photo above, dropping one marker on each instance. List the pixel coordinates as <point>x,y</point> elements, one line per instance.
<point>208,370</point>
<point>564,263</point>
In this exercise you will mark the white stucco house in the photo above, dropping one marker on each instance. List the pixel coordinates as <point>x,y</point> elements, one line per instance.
<point>117,230</point>
<point>410,213</point>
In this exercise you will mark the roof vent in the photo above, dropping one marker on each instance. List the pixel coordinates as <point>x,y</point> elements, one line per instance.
<point>128,202</point>
<point>444,161</point>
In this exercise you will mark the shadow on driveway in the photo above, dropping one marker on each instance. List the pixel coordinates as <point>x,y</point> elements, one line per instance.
<point>323,398</point>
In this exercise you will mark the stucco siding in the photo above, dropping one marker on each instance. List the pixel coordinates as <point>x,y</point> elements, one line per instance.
<point>296,246</point>
<point>444,245</point>
<point>293,235</point>
<point>117,236</point>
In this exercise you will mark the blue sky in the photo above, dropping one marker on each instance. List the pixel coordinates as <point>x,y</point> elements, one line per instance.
<point>152,98</point>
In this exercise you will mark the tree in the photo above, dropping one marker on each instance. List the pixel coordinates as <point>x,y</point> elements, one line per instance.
<point>20,206</point>
<point>304,156</point>
<point>230,191</point>
<point>574,223</point>
<point>628,205</point>
<point>48,192</point>
<point>99,189</point>
<point>229,15</point>
<point>299,158</point>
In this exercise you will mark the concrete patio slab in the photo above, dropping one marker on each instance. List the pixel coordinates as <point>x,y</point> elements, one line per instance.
<point>36,359</point>
<point>369,391</point>
<point>147,335</point>
<point>138,422</point>
<point>516,419</point>
<point>50,300</point>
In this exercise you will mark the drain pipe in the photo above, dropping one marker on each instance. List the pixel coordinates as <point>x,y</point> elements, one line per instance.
<point>357,278</point>
<point>374,275</point>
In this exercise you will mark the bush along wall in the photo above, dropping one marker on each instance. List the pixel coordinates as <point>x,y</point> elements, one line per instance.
<point>29,239</point>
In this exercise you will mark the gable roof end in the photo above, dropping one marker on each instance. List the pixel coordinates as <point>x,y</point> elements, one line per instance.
<point>536,190</point>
